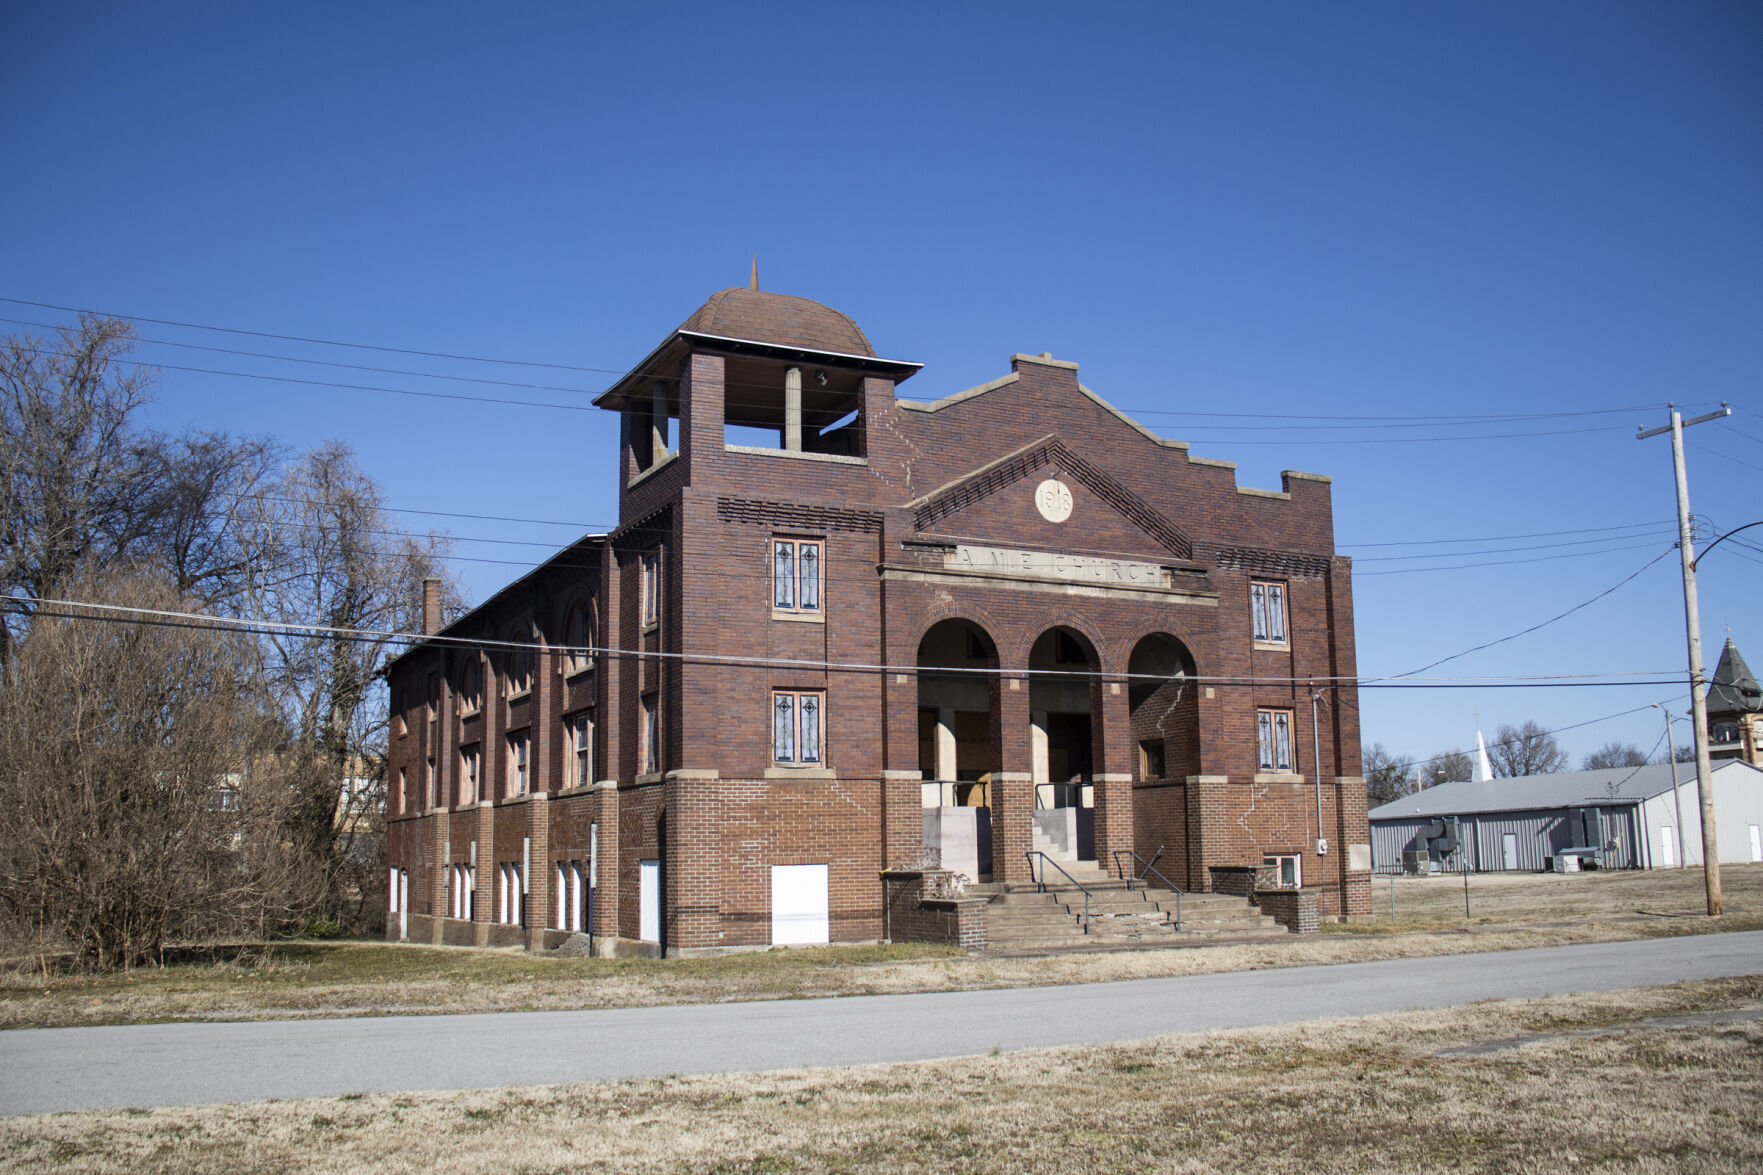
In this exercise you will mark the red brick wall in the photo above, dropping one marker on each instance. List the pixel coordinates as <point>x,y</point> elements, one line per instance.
<point>713,514</point>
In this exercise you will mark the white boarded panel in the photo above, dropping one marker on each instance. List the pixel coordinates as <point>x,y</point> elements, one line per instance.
<point>799,904</point>
<point>649,899</point>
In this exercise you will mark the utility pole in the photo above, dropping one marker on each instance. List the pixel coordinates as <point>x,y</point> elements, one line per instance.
<point>1692,622</point>
<point>1676,792</point>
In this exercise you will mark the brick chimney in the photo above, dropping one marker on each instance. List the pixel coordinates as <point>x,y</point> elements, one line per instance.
<point>431,606</point>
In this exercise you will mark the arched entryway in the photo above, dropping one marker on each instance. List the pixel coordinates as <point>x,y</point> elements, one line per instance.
<point>1164,707</point>
<point>957,755</point>
<point>1165,710</point>
<point>1063,669</point>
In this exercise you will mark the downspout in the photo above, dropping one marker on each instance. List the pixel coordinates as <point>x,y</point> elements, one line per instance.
<point>1316,750</point>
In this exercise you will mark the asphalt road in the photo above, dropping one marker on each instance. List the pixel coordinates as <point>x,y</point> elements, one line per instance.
<point>50,1069</point>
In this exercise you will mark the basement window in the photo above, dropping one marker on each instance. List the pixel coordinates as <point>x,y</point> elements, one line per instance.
<point>1286,869</point>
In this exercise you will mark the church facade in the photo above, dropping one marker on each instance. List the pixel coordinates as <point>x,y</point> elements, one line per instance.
<point>837,632</point>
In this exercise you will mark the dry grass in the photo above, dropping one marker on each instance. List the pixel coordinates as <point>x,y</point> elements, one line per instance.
<point>1602,1088</point>
<point>350,979</point>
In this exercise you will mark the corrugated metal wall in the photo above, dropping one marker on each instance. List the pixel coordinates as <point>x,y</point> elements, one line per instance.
<point>1536,837</point>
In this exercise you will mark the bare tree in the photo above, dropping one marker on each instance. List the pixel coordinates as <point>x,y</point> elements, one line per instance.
<point>70,481</point>
<point>1452,766</point>
<point>1387,776</point>
<point>1527,749</point>
<point>120,743</point>
<point>224,528</point>
<point>1614,754</point>
<point>329,557</point>
<point>202,492</point>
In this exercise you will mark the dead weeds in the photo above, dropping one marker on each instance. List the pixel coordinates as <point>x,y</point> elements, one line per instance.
<point>303,980</point>
<point>1598,1083</point>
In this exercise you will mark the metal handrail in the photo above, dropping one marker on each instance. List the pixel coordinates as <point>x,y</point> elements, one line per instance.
<point>1128,877</point>
<point>1149,867</point>
<point>1041,882</point>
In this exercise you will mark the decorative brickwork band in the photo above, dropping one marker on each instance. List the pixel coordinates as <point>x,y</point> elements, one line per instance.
<point>1260,562</point>
<point>794,516</point>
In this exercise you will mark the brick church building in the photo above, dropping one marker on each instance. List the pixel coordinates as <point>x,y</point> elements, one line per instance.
<point>835,632</point>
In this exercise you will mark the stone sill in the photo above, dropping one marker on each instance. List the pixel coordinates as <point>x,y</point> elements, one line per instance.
<point>795,455</point>
<point>1278,777</point>
<point>657,467</point>
<point>815,617</point>
<point>800,773</point>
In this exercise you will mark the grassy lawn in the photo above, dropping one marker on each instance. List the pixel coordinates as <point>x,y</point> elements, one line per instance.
<point>1653,1079</point>
<point>263,981</point>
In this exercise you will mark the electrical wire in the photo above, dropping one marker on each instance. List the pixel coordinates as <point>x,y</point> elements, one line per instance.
<point>1657,532</point>
<point>1262,419</point>
<point>1501,562</point>
<point>127,614</point>
<point>1723,456</point>
<point>1539,534</point>
<point>330,362</point>
<point>1629,578</point>
<point>303,339</point>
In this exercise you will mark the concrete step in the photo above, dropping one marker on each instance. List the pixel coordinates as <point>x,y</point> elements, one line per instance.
<point>1021,920</point>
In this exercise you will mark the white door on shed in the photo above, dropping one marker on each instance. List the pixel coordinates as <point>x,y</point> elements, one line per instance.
<point>1757,842</point>
<point>799,904</point>
<point>649,899</point>
<point>1509,850</point>
<point>1667,847</point>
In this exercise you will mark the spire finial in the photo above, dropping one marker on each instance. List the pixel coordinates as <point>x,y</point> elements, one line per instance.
<point>753,282</point>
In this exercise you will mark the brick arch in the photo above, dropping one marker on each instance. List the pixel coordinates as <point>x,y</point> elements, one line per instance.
<point>1025,644</point>
<point>1165,716</point>
<point>588,602</point>
<point>1123,647</point>
<point>933,616</point>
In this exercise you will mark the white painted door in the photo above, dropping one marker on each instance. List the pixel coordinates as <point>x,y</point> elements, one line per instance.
<point>799,904</point>
<point>1756,842</point>
<point>1509,850</point>
<point>403,905</point>
<point>649,899</point>
<point>1667,847</point>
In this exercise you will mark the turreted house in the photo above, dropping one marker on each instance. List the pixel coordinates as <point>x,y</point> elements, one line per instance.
<point>1735,710</point>
<point>836,632</point>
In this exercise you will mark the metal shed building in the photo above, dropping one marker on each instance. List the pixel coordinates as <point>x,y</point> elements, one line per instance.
<point>1635,815</point>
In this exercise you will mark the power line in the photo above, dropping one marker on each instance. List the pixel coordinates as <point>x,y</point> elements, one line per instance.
<point>1660,531</point>
<point>1723,456</point>
<point>106,613</point>
<point>304,339</point>
<point>320,383</point>
<point>1262,419</point>
<point>1501,562</point>
<point>1516,741</point>
<point>1543,624</point>
<point>330,362</point>
<point>1496,538</point>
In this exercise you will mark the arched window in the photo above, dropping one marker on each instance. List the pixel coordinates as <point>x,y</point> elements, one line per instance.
<point>520,669</point>
<point>471,686</point>
<point>578,637</point>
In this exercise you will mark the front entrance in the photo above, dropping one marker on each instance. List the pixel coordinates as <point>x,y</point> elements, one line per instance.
<point>1509,850</point>
<point>1062,668</point>
<point>956,756</point>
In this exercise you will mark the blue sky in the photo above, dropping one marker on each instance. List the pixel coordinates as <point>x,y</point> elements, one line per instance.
<point>1329,219</point>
